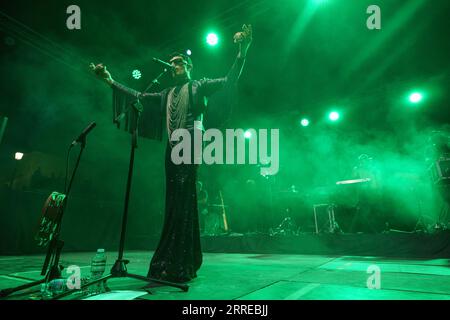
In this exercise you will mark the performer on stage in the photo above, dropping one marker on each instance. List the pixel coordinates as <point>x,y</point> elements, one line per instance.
<point>178,255</point>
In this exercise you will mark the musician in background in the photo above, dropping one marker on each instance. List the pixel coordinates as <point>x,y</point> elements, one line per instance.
<point>370,216</point>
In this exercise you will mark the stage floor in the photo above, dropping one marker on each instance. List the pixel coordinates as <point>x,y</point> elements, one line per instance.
<point>233,276</point>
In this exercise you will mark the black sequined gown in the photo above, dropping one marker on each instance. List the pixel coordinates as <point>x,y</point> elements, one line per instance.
<point>178,255</point>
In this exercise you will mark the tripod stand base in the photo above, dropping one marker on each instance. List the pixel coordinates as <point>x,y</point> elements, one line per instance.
<point>119,270</point>
<point>7,292</point>
<point>53,273</point>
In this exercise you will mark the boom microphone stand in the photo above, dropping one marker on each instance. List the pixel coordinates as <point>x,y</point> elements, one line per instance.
<point>119,269</point>
<point>55,245</point>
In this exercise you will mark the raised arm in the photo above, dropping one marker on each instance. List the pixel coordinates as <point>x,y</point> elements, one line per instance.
<point>243,39</point>
<point>103,74</point>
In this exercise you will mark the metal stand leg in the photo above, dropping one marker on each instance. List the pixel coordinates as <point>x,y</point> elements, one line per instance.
<point>334,227</point>
<point>315,218</point>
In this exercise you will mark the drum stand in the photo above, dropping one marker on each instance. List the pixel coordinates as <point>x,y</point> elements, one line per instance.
<point>332,225</point>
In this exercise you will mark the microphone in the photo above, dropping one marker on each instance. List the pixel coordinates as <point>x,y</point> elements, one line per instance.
<point>165,64</point>
<point>83,135</point>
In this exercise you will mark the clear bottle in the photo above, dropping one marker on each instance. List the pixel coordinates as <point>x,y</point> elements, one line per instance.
<point>53,288</point>
<point>45,291</point>
<point>98,266</point>
<point>58,286</point>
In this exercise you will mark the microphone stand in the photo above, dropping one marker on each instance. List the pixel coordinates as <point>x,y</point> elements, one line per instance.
<point>156,80</point>
<point>119,269</point>
<point>55,245</point>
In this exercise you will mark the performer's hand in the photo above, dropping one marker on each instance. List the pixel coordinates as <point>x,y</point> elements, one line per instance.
<point>244,39</point>
<point>101,72</point>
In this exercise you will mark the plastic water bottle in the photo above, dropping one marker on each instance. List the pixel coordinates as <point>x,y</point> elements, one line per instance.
<point>53,288</point>
<point>57,286</point>
<point>45,291</point>
<point>98,266</point>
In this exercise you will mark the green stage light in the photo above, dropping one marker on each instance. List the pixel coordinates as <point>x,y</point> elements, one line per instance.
<point>334,116</point>
<point>247,134</point>
<point>304,122</point>
<point>188,52</point>
<point>415,97</point>
<point>212,39</point>
<point>136,74</point>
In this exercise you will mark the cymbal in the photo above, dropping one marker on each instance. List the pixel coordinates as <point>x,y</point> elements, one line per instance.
<point>353,181</point>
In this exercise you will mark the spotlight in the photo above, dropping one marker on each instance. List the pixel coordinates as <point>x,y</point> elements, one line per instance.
<point>247,134</point>
<point>334,116</point>
<point>18,156</point>
<point>136,74</point>
<point>415,97</point>
<point>212,39</point>
<point>304,122</point>
<point>188,52</point>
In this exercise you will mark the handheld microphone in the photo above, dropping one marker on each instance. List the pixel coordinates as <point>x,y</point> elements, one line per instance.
<point>83,135</point>
<point>165,64</point>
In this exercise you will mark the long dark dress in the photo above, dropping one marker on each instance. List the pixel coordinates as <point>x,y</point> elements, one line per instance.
<point>178,255</point>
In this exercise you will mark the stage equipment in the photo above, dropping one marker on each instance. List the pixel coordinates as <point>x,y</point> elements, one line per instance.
<point>164,64</point>
<point>336,208</point>
<point>50,226</point>
<point>286,228</point>
<point>50,219</point>
<point>352,181</point>
<point>347,192</point>
<point>440,171</point>
<point>224,215</point>
<point>131,114</point>
<point>216,220</point>
<point>324,218</point>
